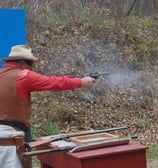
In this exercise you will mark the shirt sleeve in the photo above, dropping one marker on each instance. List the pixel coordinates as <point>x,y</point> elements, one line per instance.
<point>29,81</point>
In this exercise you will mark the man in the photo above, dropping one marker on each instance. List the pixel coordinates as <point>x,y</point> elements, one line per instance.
<point>17,81</point>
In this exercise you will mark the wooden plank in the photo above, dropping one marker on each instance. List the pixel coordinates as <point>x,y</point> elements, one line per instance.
<point>92,138</point>
<point>107,143</point>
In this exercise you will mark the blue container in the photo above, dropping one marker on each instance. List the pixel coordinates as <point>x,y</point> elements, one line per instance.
<point>12,30</point>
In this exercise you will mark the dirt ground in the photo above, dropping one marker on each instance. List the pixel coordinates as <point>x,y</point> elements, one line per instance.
<point>152,163</point>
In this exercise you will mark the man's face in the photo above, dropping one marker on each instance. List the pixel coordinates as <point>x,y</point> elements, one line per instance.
<point>26,64</point>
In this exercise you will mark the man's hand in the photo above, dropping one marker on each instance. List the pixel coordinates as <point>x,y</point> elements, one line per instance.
<point>87,82</point>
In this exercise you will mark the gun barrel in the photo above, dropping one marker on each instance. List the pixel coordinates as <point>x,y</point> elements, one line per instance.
<point>103,73</point>
<point>97,131</point>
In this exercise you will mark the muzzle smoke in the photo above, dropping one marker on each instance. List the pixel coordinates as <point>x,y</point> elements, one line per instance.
<point>124,78</point>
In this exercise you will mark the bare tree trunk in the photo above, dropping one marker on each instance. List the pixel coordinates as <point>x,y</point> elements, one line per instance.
<point>131,7</point>
<point>155,5</point>
<point>83,3</point>
<point>120,5</point>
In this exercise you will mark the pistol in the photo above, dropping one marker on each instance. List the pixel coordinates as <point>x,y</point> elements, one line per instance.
<point>96,75</point>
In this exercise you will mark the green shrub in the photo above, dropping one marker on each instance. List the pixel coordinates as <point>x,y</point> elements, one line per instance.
<point>152,152</point>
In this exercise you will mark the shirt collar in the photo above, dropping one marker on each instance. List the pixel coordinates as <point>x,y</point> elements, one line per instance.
<point>11,64</point>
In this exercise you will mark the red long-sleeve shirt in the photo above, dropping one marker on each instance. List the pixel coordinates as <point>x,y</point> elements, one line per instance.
<point>29,81</point>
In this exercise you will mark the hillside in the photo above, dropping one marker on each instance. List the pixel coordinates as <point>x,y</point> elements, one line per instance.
<point>128,96</point>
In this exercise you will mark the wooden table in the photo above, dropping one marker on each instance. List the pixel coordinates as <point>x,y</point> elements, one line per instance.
<point>123,156</point>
